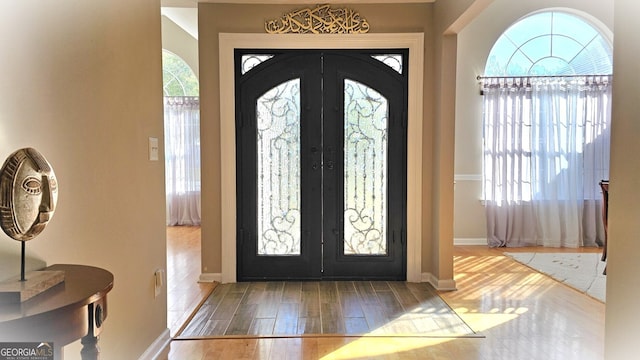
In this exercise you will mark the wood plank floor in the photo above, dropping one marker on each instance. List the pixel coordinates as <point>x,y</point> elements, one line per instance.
<point>184,293</point>
<point>362,308</point>
<point>522,313</point>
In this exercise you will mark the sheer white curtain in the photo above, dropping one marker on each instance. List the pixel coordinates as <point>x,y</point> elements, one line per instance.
<point>546,149</point>
<point>182,159</point>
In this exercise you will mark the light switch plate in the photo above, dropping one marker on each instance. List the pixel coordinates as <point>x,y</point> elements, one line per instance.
<point>153,149</point>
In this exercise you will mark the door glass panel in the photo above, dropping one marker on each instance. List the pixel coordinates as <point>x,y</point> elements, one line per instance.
<point>365,170</point>
<point>248,62</point>
<point>393,61</point>
<point>278,148</point>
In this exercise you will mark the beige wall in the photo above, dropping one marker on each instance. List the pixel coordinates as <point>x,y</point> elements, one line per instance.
<point>81,82</point>
<point>474,43</point>
<point>622,313</point>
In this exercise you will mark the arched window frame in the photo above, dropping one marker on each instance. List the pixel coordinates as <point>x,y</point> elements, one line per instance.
<point>519,39</point>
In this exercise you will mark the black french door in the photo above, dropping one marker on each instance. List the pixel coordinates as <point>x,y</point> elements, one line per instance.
<point>321,164</point>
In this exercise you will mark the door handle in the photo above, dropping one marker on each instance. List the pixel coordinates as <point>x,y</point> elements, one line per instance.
<point>314,154</point>
<point>329,157</point>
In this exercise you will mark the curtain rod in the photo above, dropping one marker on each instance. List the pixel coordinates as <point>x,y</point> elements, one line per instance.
<point>480,77</point>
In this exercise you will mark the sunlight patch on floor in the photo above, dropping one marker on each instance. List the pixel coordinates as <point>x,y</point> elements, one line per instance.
<point>483,321</point>
<point>371,347</point>
<point>365,348</point>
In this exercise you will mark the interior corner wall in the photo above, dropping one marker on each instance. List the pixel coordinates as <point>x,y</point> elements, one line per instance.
<point>474,44</point>
<point>181,43</point>
<point>82,83</point>
<point>429,263</point>
<point>443,144</point>
<point>233,18</point>
<point>622,310</point>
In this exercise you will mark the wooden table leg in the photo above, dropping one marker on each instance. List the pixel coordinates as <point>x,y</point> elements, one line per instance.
<point>604,185</point>
<point>90,349</point>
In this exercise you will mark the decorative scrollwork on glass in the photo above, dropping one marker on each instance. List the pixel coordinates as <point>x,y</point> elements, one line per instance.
<point>393,61</point>
<point>365,170</point>
<point>278,151</point>
<point>252,60</point>
<point>321,20</point>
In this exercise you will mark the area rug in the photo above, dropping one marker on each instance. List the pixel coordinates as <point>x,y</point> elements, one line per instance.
<point>581,271</point>
<point>324,308</point>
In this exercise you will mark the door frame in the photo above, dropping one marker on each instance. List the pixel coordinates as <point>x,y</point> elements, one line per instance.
<point>228,42</point>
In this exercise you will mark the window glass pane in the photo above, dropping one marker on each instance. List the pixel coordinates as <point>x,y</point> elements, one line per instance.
<point>551,66</point>
<point>518,64</point>
<point>530,27</point>
<point>577,28</point>
<point>565,47</point>
<point>177,77</point>
<point>365,170</point>
<point>499,56</point>
<point>596,55</point>
<point>278,152</point>
<point>537,48</point>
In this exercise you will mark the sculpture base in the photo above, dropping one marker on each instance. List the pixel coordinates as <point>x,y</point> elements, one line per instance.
<point>15,291</point>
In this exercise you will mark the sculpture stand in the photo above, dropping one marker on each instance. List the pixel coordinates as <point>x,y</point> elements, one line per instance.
<point>26,286</point>
<point>23,260</point>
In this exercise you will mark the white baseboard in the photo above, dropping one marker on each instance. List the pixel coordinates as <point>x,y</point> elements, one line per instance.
<point>470,241</point>
<point>155,349</point>
<point>439,284</point>
<point>210,277</point>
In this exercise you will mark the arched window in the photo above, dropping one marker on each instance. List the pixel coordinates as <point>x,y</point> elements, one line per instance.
<point>546,132</point>
<point>181,141</point>
<point>550,43</point>
<point>177,77</point>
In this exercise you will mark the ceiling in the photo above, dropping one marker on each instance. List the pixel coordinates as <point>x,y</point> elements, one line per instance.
<point>184,17</point>
<point>194,3</point>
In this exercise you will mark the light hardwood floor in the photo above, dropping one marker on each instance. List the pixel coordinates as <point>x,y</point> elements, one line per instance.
<point>184,293</point>
<point>523,314</point>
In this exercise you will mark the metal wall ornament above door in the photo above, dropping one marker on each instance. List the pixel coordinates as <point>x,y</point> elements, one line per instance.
<point>321,165</point>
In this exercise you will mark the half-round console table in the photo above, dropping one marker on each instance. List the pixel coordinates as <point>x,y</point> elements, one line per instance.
<point>74,309</point>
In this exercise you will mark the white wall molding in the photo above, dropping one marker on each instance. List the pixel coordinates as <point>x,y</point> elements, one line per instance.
<point>467,177</point>
<point>439,284</point>
<point>210,277</point>
<point>155,349</point>
<point>469,241</point>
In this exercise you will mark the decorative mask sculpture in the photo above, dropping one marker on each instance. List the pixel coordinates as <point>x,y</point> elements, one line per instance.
<point>28,194</point>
